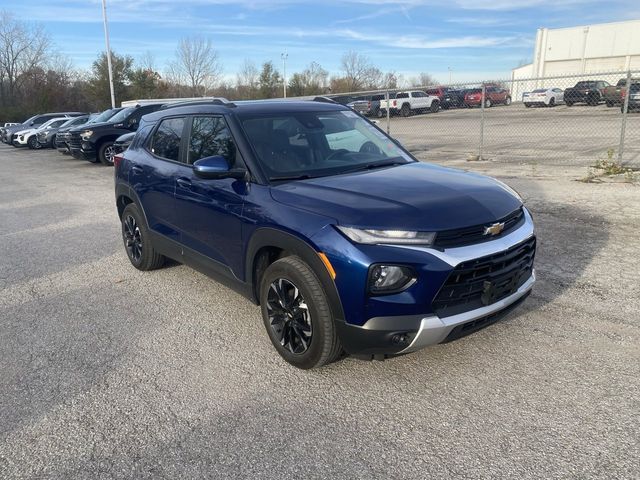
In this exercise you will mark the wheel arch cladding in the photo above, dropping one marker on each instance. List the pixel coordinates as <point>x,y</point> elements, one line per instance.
<point>268,244</point>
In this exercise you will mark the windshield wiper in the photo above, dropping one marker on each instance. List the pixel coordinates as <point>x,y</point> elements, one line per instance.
<point>372,166</point>
<point>291,177</point>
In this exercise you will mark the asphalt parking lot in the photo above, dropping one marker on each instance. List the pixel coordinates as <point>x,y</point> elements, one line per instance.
<point>108,372</point>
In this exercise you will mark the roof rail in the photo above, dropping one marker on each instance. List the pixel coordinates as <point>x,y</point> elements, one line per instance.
<point>324,100</point>
<point>199,101</point>
<point>168,101</point>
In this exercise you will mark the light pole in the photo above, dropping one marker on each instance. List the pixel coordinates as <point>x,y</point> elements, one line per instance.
<point>284,57</point>
<point>449,68</point>
<point>106,39</point>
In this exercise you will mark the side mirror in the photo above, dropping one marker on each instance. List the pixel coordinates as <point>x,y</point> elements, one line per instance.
<point>216,167</point>
<point>132,124</point>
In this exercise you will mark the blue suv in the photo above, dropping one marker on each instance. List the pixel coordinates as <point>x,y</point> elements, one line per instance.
<point>346,241</point>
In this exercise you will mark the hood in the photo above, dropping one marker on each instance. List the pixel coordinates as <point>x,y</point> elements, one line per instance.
<point>415,196</point>
<point>89,126</point>
<point>26,131</point>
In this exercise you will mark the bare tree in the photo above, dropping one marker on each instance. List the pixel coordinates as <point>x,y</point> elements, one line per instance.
<point>247,80</point>
<point>359,72</point>
<point>22,49</point>
<point>423,80</point>
<point>196,64</point>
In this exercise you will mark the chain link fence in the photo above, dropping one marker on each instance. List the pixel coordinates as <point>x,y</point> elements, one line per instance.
<point>572,120</point>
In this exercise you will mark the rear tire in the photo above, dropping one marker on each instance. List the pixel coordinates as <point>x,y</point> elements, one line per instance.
<point>568,103</point>
<point>296,314</point>
<point>137,241</point>
<point>487,103</point>
<point>610,103</point>
<point>528,105</point>
<point>405,111</point>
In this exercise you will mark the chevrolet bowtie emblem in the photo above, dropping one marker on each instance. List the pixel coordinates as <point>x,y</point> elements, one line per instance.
<point>494,229</point>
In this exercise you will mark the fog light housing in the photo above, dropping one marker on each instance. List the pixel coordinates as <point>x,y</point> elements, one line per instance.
<point>388,279</point>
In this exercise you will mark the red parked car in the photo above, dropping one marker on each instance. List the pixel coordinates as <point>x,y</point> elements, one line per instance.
<point>493,95</point>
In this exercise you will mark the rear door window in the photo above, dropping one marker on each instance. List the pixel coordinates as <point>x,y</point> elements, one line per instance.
<point>166,140</point>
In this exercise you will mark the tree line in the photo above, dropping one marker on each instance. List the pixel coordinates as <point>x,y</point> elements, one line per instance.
<point>35,77</point>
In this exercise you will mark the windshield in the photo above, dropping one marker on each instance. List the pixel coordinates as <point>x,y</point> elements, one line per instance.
<point>539,90</point>
<point>74,121</point>
<point>50,123</point>
<point>104,116</point>
<point>585,85</point>
<point>121,115</point>
<point>317,144</point>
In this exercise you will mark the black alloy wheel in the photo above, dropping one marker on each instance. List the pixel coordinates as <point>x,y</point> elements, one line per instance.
<point>289,316</point>
<point>297,315</point>
<point>132,239</point>
<point>137,240</point>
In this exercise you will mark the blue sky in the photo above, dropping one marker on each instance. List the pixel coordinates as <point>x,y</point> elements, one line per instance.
<point>477,39</point>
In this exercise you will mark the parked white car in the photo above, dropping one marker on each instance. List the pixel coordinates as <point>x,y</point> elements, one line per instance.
<point>29,137</point>
<point>410,102</point>
<point>548,97</point>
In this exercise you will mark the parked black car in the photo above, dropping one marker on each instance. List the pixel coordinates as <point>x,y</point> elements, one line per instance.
<point>6,133</point>
<point>590,92</point>
<point>94,142</point>
<point>63,135</point>
<point>123,142</point>
<point>47,138</point>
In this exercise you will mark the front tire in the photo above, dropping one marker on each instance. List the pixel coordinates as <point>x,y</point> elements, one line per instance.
<point>106,153</point>
<point>32,143</point>
<point>296,314</point>
<point>552,102</point>
<point>507,101</point>
<point>435,107</point>
<point>137,241</point>
<point>487,103</point>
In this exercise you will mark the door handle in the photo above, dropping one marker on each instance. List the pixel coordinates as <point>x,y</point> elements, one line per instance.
<point>137,170</point>
<point>184,183</point>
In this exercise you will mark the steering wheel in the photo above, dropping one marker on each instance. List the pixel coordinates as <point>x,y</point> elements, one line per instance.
<point>369,147</point>
<point>340,151</point>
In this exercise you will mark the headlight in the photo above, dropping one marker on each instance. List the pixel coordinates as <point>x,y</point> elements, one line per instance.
<point>509,189</point>
<point>86,134</point>
<point>387,279</point>
<point>394,237</point>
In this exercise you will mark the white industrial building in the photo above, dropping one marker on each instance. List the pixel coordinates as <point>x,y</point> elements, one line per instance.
<point>605,47</point>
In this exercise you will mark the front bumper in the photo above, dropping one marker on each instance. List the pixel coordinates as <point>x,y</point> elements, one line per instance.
<point>19,141</point>
<point>83,154</point>
<point>393,334</point>
<point>435,330</point>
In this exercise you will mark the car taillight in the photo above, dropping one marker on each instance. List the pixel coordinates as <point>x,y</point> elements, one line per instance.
<point>117,159</point>
<point>395,103</point>
<point>369,105</point>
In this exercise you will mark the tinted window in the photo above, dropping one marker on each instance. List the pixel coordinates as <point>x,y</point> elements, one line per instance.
<point>210,136</point>
<point>166,140</point>
<point>402,95</point>
<point>419,94</point>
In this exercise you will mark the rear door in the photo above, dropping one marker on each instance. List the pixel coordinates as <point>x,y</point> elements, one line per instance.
<point>208,211</point>
<point>153,172</point>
